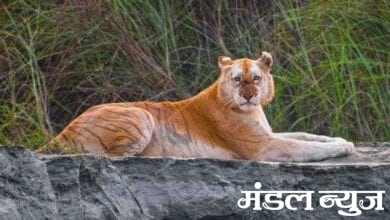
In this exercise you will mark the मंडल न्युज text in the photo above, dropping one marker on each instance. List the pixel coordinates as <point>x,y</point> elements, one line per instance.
<point>329,200</point>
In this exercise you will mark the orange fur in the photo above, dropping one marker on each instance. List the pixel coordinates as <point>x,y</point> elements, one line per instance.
<point>224,121</point>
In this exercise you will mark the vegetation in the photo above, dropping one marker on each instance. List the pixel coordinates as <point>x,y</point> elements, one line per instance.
<point>57,59</point>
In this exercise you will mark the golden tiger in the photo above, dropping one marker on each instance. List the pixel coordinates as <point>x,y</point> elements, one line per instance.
<point>224,121</point>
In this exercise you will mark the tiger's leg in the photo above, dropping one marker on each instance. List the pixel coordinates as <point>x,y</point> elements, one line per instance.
<point>292,150</point>
<point>309,137</point>
<point>108,130</point>
<point>133,134</point>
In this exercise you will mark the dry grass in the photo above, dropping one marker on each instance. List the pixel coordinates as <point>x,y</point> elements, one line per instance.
<point>56,60</point>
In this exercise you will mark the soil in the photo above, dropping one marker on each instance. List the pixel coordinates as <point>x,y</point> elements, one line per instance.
<point>366,152</point>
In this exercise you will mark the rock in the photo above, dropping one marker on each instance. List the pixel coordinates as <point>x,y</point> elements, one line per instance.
<point>92,187</point>
<point>25,190</point>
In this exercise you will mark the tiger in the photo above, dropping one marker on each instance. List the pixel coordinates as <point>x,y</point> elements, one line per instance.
<point>224,121</point>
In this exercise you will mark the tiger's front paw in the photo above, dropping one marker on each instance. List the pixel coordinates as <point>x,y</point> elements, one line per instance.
<point>343,148</point>
<point>350,149</point>
<point>337,139</point>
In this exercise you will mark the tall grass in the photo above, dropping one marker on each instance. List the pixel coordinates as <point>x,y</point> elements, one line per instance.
<point>331,60</point>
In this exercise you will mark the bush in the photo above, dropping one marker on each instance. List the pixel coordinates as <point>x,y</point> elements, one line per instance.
<point>57,59</point>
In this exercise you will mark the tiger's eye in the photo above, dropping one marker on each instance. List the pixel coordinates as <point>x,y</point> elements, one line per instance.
<point>256,78</point>
<point>237,79</point>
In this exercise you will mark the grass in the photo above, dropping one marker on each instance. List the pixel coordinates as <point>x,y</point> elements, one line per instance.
<point>331,60</point>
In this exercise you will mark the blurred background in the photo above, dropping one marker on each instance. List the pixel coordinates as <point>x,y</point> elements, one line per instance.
<point>57,58</point>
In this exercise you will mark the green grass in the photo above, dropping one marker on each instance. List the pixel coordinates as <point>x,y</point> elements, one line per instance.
<point>331,64</point>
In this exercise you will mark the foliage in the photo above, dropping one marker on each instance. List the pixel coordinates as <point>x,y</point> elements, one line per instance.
<point>57,59</point>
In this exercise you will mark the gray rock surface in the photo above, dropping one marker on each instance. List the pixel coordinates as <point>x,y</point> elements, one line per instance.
<point>92,187</point>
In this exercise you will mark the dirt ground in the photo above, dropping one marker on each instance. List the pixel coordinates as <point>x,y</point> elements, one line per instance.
<point>367,152</point>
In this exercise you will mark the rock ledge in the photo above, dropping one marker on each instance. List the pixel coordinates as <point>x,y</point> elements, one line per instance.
<point>91,187</point>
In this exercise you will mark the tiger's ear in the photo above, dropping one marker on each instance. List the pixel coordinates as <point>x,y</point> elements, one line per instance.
<point>265,59</point>
<point>224,61</point>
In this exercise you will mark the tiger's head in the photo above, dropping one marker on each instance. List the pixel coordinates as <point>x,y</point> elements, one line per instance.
<point>245,84</point>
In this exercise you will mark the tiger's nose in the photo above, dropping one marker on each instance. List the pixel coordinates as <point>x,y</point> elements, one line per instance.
<point>248,96</point>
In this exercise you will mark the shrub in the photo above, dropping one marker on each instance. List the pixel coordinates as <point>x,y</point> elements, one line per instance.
<point>57,59</point>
